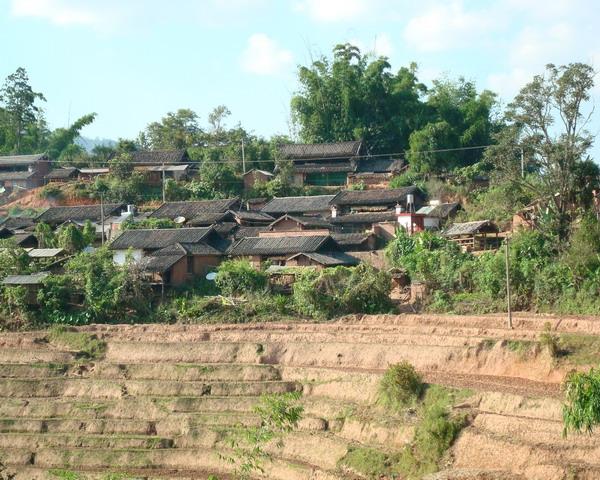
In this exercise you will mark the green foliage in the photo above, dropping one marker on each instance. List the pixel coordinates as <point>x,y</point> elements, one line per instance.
<point>55,294</point>
<point>369,462</point>
<point>581,410</point>
<point>342,290</point>
<point>400,386</point>
<point>121,166</point>
<point>71,238</point>
<point>44,235</point>
<point>239,277</point>
<point>148,223</point>
<point>51,191</point>
<point>86,345</point>
<point>550,340</point>
<point>279,415</point>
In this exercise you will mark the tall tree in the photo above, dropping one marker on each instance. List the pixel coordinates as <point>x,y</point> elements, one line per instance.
<point>20,113</point>
<point>61,138</point>
<point>175,130</point>
<point>353,97</point>
<point>548,124</point>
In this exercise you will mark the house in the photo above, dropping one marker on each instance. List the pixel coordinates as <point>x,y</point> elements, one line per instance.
<point>278,249</point>
<point>375,172</point>
<point>61,175</point>
<point>204,243</point>
<point>437,213</point>
<point>474,236</point>
<point>347,201</point>
<point>321,260</point>
<point>295,223</point>
<point>189,210</point>
<point>18,224</point>
<point>23,172</point>
<point>322,164</point>
<point>159,164</point>
<point>362,221</point>
<point>32,283</point>
<point>356,242</point>
<point>307,206</point>
<point>55,216</point>
<point>240,217</point>
<point>89,174</point>
<point>19,239</point>
<point>253,176</point>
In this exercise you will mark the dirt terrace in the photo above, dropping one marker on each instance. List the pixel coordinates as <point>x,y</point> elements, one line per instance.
<point>161,402</point>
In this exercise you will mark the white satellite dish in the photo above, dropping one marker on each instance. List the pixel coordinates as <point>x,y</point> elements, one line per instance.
<point>2,190</point>
<point>179,220</point>
<point>211,276</point>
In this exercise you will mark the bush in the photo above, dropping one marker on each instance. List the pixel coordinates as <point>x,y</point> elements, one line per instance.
<point>400,386</point>
<point>342,290</point>
<point>239,277</point>
<point>51,191</point>
<point>550,340</point>
<point>581,410</point>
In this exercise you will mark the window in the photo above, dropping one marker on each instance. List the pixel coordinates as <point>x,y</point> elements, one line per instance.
<point>190,265</point>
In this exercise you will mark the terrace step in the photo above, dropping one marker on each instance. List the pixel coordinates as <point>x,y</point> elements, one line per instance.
<point>79,440</point>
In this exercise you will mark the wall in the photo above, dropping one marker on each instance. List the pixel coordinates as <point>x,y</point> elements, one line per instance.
<point>205,263</point>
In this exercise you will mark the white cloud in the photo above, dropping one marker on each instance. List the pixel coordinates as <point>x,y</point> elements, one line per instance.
<point>263,56</point>
<point>333,10</point>
<point>59,12</point>
<point>445,26</point>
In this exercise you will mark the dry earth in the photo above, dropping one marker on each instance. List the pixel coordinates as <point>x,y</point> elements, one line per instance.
<point>162,400</point>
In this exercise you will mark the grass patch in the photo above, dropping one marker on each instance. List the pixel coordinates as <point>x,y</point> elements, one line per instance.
<point>580,349</point>
<point>435,432</point>
<point>65,474</point>
<point>400,386</point>
<point>488,343</point>
<point>521,347</point>
<point>87,346</point>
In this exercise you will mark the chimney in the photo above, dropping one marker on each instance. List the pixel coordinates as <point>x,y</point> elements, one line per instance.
<point>398,209</point>
<point>333,211</point>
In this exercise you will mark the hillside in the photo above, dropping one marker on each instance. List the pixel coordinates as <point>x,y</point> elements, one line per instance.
<point>160,401</point>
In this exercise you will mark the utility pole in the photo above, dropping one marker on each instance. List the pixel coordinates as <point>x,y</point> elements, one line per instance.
<point>163,183</point>
<point>243,157</point>
<point>102,215</point>
<point>507,261</point>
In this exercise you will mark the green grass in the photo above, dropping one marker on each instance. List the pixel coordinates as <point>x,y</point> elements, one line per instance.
<point>65,475</point>
<point>87,346</point>
<point>521,347</point>
<point>436,429</point>
<point>580,349</point>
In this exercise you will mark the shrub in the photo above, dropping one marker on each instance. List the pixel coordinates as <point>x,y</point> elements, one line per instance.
<point>581,410</point>
<point>239,277</point>
<point>400,385</point>
<point>550,340</point>
<point>51,192</point>
<point>88,346</point>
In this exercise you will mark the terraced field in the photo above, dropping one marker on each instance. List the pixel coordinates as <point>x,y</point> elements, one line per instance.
<point>161,401</point>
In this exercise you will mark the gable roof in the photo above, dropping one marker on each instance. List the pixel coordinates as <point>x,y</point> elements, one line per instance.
<point>364,217</point>
<point>78,213</point>
<point>315,203</point>
<point>281,245</point>
<point>252,216</point>
<point>17,223</point>
<point>159,263</point>
<point>16,175</point>
<point>379,165</point>
<point>318,151</point>
<point>59,173</point>
<point>317,222</point>
<point>328,259</point>
<point>201,248</point>
<point>470,228</point>
<point>348,240</point>
<point>443,210</point>
<point>208,218</point>
<point>155,239</point>
<point>21,160</point>
<point>23,238</point>
<point>373,197</point>
<point>191,210</point>
<point>151,157</point>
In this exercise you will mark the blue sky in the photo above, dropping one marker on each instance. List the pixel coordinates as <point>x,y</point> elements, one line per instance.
<point>131,61</point>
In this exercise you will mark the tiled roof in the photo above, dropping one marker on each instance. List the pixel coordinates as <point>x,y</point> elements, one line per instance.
<point>16,175</point>
<point>470,228</point>
<point>200,248</point>
<point>78,213</point>
<point>61,173</point>
<point>21,238</point>
<point>159,263</point>
<point>439,211</point>
<point>150,157</point>
<point>279,245</point>
<point>17,223</point>
<point>253,216</point>
<point>33,279</point>
<point>301,151</point>
<point>154,239</point>
<point>305,221</point>
<point>379,165</point>
<point>190,210</point>
<point>329,259</point>
<point>329,167</point>
<point>315,203</point>
<point>243,232</point>
<point>208,218</point>
<point>373,197</point>
<point>21,160</point>
<point>365,217</point>
<point>350,239</point>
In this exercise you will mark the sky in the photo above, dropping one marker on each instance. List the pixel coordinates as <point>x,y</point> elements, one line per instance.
<point>132,61</point>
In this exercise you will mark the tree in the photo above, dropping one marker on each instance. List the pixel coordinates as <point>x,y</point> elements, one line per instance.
<point>216,119</point>
<point>89,233</point>
<point>581,410</point>
<point>175,130</point>
<point>548,125</point>
<point>71,239</point>
<point>44,235</point>
<point>20,112</point>
<point>61,138</point>
<point>121,166</point>
<point>354,97</point>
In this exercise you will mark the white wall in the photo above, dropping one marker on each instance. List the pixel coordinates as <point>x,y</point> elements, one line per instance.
<point>120,256</point>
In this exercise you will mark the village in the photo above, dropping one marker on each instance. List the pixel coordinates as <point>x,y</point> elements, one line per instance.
<point>343,228</point>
